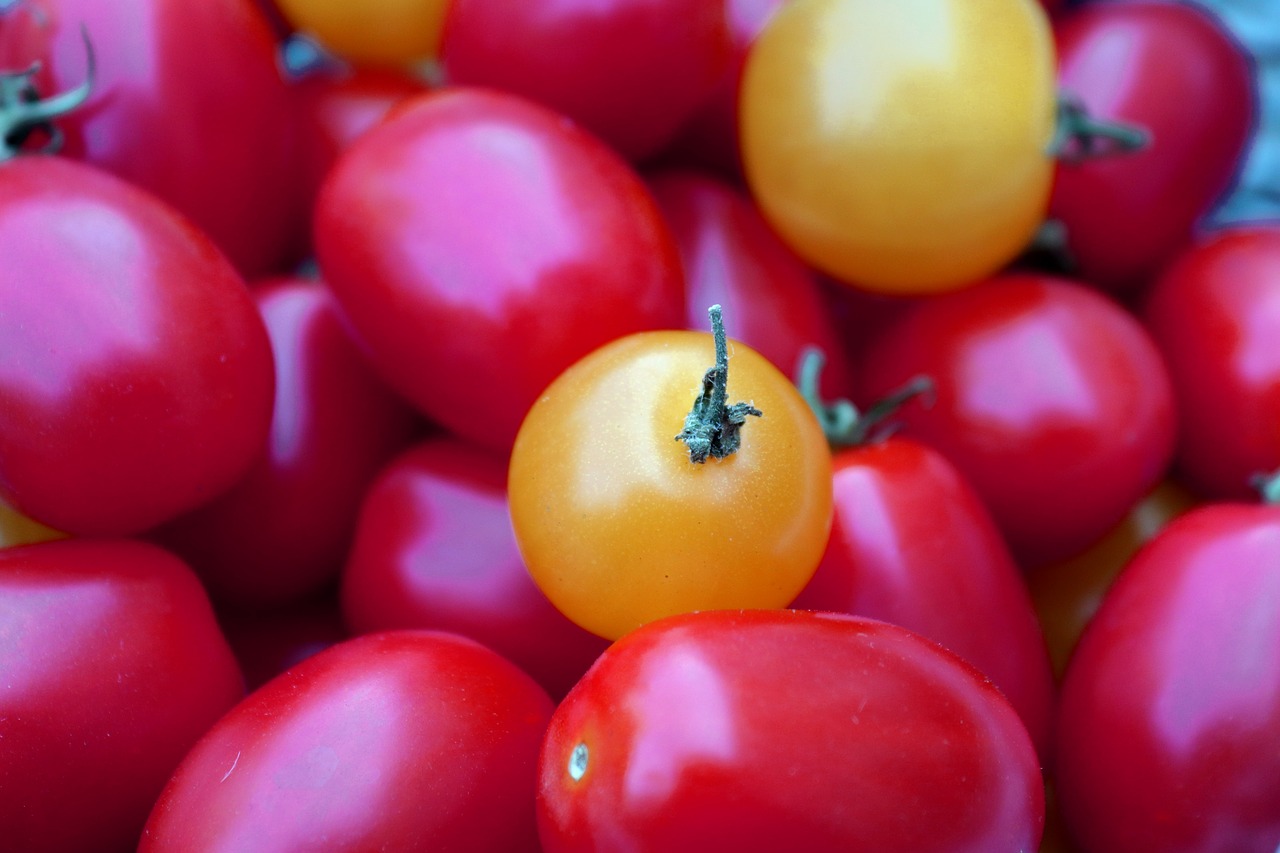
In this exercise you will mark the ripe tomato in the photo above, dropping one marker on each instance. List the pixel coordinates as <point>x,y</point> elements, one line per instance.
<point>1169,718</point>
<point>434,549</point>
<point>17,529</point>
<point>618,525</point>
<point>479,244</point>
<point>381,32</point>
<point>112,667</point>
<point>135,376</point>
<point>786,730</point>
<point>394,741</point>
<point>901,147</point>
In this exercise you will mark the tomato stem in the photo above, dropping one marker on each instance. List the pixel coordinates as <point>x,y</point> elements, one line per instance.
<point>1079,136</point>
<point>712,428</point>
<point>842,423</point>
<point>23,112</point>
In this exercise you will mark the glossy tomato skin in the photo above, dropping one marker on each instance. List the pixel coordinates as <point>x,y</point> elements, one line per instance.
<point>780,730</point>
<point>772,300</point>
<point>113,667</point>
<point>619,527</point>
<point>479,244</point>
<point>283,530</point>
<point>136,375</point>
<point>912,544</point>
<point>914,153</point>
<point>1051,400</point>
<point>1215,314</point>
<point>630,71</point>
<point>434,549</point>
<point>187,102</point>
<point>381,33</point>
<point>1170,710</point>
<point>400,740</point>
<point>1176,71</point>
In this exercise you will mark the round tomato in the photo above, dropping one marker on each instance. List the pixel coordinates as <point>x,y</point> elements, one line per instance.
<point>618,523</point>
<point>372,32</point>
<point>786,730</point>
<point>394,741</point>
<point>901,147</point>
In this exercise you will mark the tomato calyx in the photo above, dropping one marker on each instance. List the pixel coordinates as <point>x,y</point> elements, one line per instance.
<point>23,112</point>
<point>843,424</point>
<point>1267,486</point>
<point>712,429</point>
<point>1079,136</point>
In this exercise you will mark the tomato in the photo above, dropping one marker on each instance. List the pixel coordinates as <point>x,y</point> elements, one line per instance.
<point>17,529</point>
<point>1051,400</point>
<point>434,549</point>
<point>187,102</point>
<point>619,525</point>
<point>283,530</point>
<point>398,741</point>
<point>1170,709</point>
<point>1175,71</point>
<point>786,730</point>
<point>913,158</point>
<point>912,544</point>
<point>630,71</point>
<point>1215,314</point>
<point>519,241</point>
<point>381,33</point>
<point>136,376</point>
<point>113,666</point>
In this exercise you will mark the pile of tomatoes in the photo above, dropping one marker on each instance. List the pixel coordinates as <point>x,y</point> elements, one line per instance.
<point>650,425</point>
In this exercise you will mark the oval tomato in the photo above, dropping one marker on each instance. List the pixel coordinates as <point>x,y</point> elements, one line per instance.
<point>786,730</point>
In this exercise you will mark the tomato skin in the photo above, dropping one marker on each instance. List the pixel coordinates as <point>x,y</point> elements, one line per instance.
<point>434,550</point>
<point>1215,314</point>
<point>502,229</point>
<point>402,740</point>
<point>113,667</point>
<point>912,544</point>
<point>630,71</point>
<point>729,730</point>
<point>384,33</point>
<point>1170,710</point>
<point>914,158</point>
<point>136,376</point>
<point>187,103</point>
<point>1175,70</point>
<point>1051,400</point>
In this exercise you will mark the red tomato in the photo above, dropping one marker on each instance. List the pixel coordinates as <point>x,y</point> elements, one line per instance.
<point>1174,70</point>
<point>1051,400</point>
<point>912,544</point>
<point>480,244</point>
<point>1170,713</point>
<point>786,730</point>
<point>631,71</point>
<point>135,376</point>
<point>395,741</point>
<point>187,102</point>
<point>282,532</point>
<point>112,667</point>
<point>434,549</point>
<point>1215,314</point>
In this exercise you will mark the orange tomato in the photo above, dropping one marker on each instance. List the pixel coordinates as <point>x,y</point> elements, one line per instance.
<point>372,32</point>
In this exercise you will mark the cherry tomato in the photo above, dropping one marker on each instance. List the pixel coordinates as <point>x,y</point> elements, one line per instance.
<point>381,32</point>
<point>1170,712</point>
<point>901,147</point>
<point>17,529</point>
<point>113,666</point>
<point>479,245</point>
<point>1051,400</point>
<point>630,71</point>
<point>394,741</point>
<point>136,376</point>
<point>1215,314</point>
<point>616,522</point>
<point>1173,70</point>
<point>434,549</point>
<point>786,730</point>
<point>912,544</point>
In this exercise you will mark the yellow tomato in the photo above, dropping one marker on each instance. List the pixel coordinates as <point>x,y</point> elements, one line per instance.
<point>372,32</point>
<point>901,145</point>
<point>619,526</point>
<point>17,529</point>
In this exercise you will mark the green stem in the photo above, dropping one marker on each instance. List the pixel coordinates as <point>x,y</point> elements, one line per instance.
<point>1267,486</point>
<point>842,423</point>
<point>713,429</point>
<point>23,112</point>
<point>1079,136</point>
